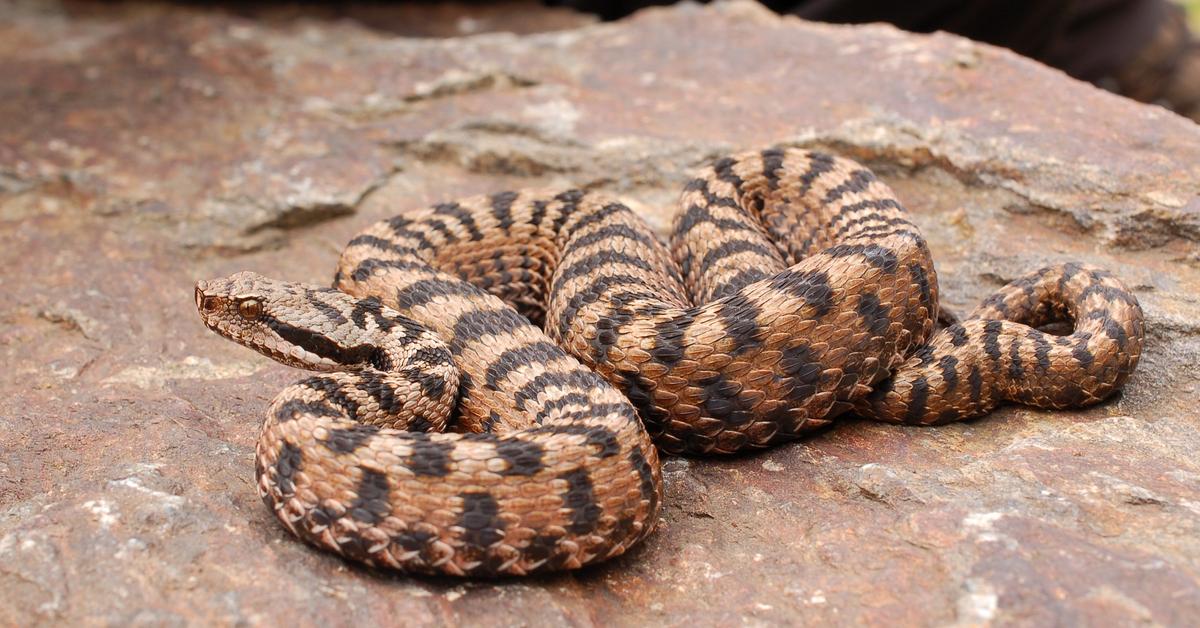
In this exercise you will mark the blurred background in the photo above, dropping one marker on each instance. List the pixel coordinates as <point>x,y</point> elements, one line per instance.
<point>1144,49</point>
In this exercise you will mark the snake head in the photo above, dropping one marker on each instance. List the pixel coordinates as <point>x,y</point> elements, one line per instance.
<point>287,322</point>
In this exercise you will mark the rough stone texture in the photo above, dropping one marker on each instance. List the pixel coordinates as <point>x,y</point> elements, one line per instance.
<point>143,147</point>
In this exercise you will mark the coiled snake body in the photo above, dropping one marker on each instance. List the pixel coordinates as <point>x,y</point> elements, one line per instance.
<point>452,435</point>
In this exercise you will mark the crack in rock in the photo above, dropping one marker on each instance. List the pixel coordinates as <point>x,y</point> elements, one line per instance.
<point>455,82</point>
<point>510,148</point>
<point>72,319</point>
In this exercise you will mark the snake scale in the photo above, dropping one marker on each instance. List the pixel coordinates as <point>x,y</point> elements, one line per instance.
<point>448,433</point>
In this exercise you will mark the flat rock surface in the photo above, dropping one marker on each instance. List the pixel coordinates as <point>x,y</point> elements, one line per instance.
<point>143,147</point>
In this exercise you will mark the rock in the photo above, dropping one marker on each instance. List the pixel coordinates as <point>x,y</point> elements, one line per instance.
<point>145,146</point>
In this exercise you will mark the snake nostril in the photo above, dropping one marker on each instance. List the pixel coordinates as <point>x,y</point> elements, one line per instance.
<point>207,304</point>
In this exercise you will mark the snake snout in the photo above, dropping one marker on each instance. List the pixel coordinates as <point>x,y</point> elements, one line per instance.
<point>207,303</point>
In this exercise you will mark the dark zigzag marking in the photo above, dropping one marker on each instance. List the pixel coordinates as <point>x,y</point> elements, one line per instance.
<point>421,292</point>
<point>420,424</point>
<point>818,164</point>
<point>414,541</point>
<point>879,232</point>
<point>587,295</point>
<point>861,221</point>
<point>570,200</point>
<point>333,393</point>
<point>772,160</point>
<point>668,338</point>
<point>609,232</point>
<point>601,409</point>
<point>991,339</point>
<point>569,399</point>
<point>476,324</point>
<point>370,504</point>
<point>594,435</point>
<point>1109,293</point>
<point>875,315</point>
<point>811,286</point>
<point>949,366</point>
<point>489,424</point>
<point>711,198</point>
<point>723,168</point>
<point>373,307</point>
<point>375,242</point>
<point>464,218</point>
<point>579,379</point>
<point>730,248</point>
<point>480,520</point>
<point>367,267</point>
<point>440,226</point>
<point>539,212</point>
<point>429,458</point>
<point>637,459</point>
<point>286,466</point>
<point>1041,350</point>
<point>721,398</point>
<point>975,379</point>
<point>399,226</point>
<point>599,259</point>
<point>917,401</point>
<point>539,352</point>
<point>739,316</point>
<point>377,388</point>
<point>874,204</point>
<point>924,355</point>
<point>876,255</point>
<point>639,392</point>
<point>581,500</point>
<point>917,272</point>
<point>803,368</point>
<point>545,547</point>
<point>346,439</point>
<point>857,181</point>
<point>697,215</point>
<point>502,208</point>
<point>597,216</point>
<point>1016,370</point>
<point>607,330</point>
<point>524,457</point>
<point>291,409</point>
<point>1113,330</point>
<point>997,302</point>
<point>1069,270</point>
<point>1081,352</point>
<point>735,284</point>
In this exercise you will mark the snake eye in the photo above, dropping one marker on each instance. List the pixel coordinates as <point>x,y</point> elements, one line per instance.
<point>250,309</point>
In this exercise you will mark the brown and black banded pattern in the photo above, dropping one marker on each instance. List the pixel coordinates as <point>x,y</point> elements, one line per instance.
<point>357,461</point>
<point>952,378</point>
<point>794,289</point>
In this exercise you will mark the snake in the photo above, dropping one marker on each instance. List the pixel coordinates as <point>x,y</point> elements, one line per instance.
<point>495,376</point>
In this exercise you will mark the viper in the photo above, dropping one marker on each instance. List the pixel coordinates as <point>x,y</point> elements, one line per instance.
<point>496,372</point>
